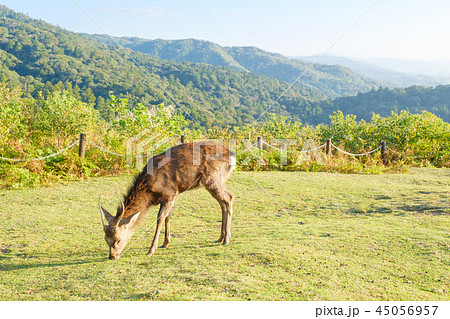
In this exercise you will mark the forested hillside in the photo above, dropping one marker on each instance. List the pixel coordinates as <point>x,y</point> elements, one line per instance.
<point>187,50</point>
<point>36,56</point>
<point>383,101</point>
<point>333,80</point>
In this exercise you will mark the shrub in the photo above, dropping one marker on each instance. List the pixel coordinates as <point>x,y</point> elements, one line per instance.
<point>12,113</point>
<point>63,116</point>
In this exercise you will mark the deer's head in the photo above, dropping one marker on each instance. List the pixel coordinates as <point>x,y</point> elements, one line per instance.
<point>118,230</point>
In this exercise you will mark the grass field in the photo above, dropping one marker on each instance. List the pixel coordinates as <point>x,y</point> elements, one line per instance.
<point>296,236</point>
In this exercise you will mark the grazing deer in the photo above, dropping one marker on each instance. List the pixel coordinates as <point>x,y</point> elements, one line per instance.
<point>179,169</point>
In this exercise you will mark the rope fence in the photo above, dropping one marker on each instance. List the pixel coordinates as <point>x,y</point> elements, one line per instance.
<point>351,154</point>
<point>83,140</point>
<point>40,158</point>
<point>303,151</point>
<point>104,149</point>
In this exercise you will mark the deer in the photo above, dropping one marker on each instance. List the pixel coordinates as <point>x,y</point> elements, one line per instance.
<point>181,168</point>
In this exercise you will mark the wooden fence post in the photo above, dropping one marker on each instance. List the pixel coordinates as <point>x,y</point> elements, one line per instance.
<point>259,143</point>
<point>82,145</point>
<point>182,140</point>
<point>383,152</point>
<point>328,147</point>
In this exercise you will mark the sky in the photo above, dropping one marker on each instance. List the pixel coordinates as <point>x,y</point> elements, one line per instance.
<point>400,29</point>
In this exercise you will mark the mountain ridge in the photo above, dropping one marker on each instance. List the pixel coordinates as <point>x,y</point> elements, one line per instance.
<point>334,81</point>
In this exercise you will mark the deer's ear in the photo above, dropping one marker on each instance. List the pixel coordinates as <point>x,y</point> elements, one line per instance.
<point>106,214</point>
<point>132,220</point>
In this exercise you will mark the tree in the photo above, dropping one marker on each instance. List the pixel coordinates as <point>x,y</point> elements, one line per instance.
<point>64,116</point>
<point>12,108</point>
<point>132,120</point>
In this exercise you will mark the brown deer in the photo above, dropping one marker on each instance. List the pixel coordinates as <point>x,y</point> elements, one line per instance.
<point>179,169</point>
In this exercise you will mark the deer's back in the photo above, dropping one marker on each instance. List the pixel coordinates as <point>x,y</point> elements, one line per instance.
<point>185,166</point>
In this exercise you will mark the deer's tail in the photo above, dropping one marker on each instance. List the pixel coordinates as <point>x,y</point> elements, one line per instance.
<point>232,161</point>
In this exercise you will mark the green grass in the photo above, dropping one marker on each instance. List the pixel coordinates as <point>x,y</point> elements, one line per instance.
<point>296,236</point>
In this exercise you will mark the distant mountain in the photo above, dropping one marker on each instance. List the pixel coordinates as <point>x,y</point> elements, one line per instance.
<point>439,69</point>
<point>333,81</point>
<point>388,76</point>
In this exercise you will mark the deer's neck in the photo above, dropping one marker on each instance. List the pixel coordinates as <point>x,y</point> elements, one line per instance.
<point>139,197</point>
<point>137,202</point>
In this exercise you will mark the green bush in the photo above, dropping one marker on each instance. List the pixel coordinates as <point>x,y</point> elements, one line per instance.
<point>63,116</point>
<point>12,113</point>
<point>417,136</point>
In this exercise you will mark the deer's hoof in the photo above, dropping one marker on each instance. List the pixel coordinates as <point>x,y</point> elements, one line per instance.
<point>150,253</point>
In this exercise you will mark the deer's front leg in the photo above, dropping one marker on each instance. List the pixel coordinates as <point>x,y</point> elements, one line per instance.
<point>222,231</point>
<point>164,211</point>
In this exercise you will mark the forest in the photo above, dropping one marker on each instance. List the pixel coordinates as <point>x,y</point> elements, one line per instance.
<point>383,101</point>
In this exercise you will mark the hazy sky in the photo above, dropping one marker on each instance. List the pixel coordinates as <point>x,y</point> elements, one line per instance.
<point>406,29</point>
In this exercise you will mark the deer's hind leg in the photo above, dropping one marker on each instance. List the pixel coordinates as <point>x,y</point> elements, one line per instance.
<point>167,231</point>
<point>225,199</point>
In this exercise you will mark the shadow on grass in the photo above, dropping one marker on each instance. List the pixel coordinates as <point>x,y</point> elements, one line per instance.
<point>371,210</point>
<point>5,266</point>
<point>145,296</point>
<point>201,245</point>
<point>419,208</point>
